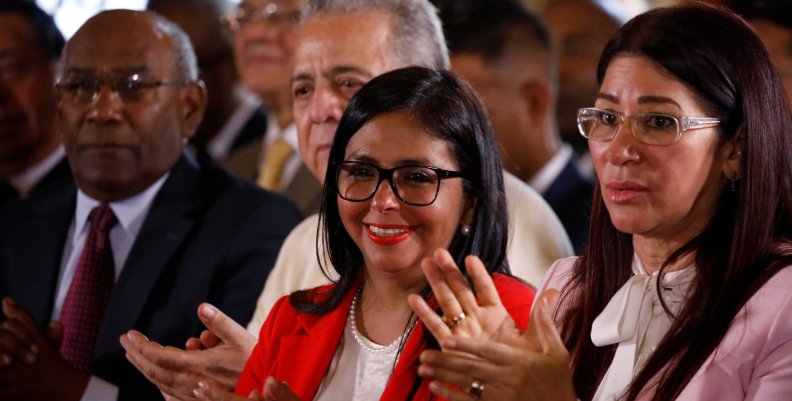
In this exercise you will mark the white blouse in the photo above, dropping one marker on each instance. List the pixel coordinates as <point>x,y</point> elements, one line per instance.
<point>635,319</point>
<point>360,368</point>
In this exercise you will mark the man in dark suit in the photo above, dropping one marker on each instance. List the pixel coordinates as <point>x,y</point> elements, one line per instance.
<point>31,155</point>
<point>505,51</point>
<point>180,232</point>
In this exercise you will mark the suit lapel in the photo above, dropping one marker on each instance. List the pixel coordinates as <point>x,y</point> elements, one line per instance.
<point>302,355</point>
<point>41,240</point>
<point>165,228</point>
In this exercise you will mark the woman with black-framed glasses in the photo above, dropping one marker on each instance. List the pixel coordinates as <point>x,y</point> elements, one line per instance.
<point>413,168</point>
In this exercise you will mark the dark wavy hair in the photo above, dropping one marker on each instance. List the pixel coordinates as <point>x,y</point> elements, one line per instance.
<point>721,60</point>
<point>49,37</point>
<point>448,109</point>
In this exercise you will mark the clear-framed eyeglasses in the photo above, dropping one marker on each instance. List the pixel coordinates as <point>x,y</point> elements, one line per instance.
<point>272,12</point>
<point>413,185</point>
<point>130,89</point>
<point>649,128</point>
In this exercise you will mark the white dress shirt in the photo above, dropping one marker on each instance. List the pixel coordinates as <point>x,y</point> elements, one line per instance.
<point>220,146</point>
<point>131,213</point>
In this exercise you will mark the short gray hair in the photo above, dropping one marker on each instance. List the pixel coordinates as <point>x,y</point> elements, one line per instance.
<point>417,34</point>
<point>186,61</point>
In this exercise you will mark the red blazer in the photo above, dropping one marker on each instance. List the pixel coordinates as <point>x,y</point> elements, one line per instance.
<point>297,347</point>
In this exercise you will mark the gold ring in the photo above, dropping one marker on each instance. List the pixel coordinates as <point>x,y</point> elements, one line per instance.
<point>454,320</point>
<point>475,389</point>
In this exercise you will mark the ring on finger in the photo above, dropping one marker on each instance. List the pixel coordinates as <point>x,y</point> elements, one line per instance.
<point>454,321</point>
<point>475,389</point>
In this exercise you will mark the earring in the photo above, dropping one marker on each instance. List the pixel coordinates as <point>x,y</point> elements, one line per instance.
<point>734,179</point>
<point>465,230</point>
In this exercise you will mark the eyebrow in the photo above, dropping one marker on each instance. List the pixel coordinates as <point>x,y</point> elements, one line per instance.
<point>135,69</point>
<point>650,99</point>
<point>361,157</point>
<point>337,70</point>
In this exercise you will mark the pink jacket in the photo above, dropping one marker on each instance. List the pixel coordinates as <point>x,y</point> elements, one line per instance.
<point>754,360</point>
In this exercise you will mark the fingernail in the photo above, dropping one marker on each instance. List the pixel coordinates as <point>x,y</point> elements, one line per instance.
<point>425,371</point>
<point>434,387</point>
<point>208,311</point>
<point>30,359</point>
<point>130,337</point>
<point>545,307</point>
<point>5,360</point>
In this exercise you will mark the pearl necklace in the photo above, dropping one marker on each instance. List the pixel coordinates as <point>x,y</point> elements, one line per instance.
<point>367,344</point>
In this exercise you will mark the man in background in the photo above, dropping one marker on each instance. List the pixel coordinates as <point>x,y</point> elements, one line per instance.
<point>234,118</point>
<point>504,50</point>
<point>31,154</point>
<point>579,29</point>
<point>145,236</point>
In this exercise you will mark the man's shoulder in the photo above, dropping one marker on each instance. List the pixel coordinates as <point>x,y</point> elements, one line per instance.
<point>236,196</point>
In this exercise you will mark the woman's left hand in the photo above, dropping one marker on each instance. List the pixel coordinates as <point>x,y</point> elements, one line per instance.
<point>536,368</point>
<point>465,314</point>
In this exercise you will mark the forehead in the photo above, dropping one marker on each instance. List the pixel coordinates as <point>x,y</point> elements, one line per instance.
<point>120,44</point>
<point>359,40</point>
<point>16,35</point>
<point>637,79</point>
<point>395,138</point>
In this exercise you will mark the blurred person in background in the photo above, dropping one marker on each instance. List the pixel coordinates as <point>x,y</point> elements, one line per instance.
<point>31,154</point>
<point>504,50</point>
<point>579,29</point>
<point>234,118</point>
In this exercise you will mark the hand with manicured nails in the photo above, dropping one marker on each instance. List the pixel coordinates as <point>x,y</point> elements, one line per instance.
<point>531,367</point>
<point>216,358</point>
<point>484,314</point>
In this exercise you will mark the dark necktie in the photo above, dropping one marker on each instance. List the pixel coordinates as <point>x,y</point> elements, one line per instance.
<point>89,292</point>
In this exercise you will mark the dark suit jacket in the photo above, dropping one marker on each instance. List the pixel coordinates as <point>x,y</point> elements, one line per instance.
<point>61,171</point>
<point>570,197</point>
<point>207,237</point>
<point>298,347</point>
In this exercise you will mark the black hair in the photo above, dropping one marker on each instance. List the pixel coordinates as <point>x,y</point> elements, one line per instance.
<point>48,35</point>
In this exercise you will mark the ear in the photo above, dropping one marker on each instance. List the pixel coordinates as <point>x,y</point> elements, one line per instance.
<point>467,212</point>
<point>193,106</point>
<point>537,95</point>
<point>731,155</point>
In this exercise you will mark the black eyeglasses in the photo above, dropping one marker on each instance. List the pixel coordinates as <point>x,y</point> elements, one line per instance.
<point>130,89</point>
<point>413,185</point>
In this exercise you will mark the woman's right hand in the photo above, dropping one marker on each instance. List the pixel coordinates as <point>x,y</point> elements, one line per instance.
<point>534,368</point>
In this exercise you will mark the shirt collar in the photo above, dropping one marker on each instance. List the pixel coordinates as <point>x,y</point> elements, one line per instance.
<point>542,180</point>
<point>130,212</point>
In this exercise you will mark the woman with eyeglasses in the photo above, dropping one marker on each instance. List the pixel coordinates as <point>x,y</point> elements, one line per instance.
<point>685,289</point>
<point>413,167</point>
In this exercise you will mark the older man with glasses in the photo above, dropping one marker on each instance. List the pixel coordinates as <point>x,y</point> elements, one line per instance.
<point>146,234</point>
